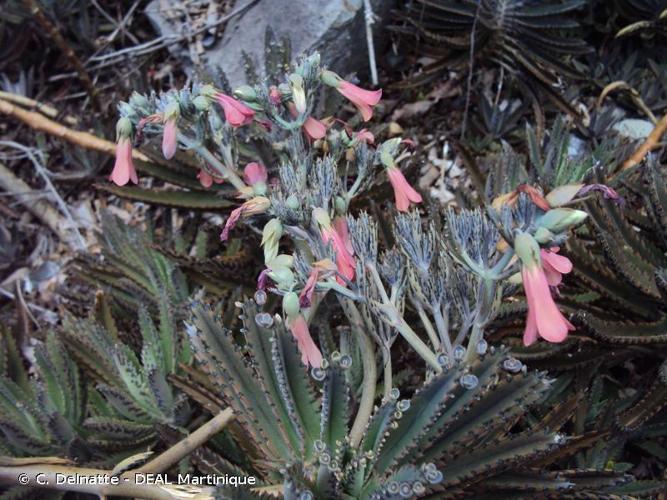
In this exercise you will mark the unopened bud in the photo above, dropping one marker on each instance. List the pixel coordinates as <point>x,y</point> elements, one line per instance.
<point>543,235</point>
<point>292,202</point>
<point>201,103</point>
<point>339,205</point>
<point>298,92</point>
<point>559,220</point>
<point>291,304</point>
<point>271,234</point>
<point>245,93</point>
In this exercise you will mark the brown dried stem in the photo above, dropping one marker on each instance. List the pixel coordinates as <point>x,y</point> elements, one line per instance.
<point>652,142</point>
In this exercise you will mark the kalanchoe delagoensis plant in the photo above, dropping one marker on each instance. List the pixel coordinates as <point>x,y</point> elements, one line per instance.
<point>303,198</point>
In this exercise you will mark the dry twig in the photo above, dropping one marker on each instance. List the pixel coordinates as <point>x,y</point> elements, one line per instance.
<point>652,142</point>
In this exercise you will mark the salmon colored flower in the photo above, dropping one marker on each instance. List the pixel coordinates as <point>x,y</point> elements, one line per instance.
<point>344,259</point>
<point>404,193</point>
<point>310,353</point>
<point>321,269</point>
<point>363,99</point>
<point>554,265</point>
<point>314,128</point>
<point>236,113</point>
<point>169,139</point>
<point>254,206</point>
<point>544,319</point>
<point>340,225</point>
<point>123,169</point>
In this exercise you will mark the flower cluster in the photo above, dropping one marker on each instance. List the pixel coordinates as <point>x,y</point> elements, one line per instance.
<point>313,246</point>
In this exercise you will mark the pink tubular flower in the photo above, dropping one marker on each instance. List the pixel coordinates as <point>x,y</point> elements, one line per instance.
<point>404,193</point>
<point>123,169</point>
<point>236,113</point>
<point>254,173</point>
<point>310,353</point>
<point>544,318</point>
<point>362,99</point>
<point>554,265</point>
<point>340,225</point>
<point>314,128</point>
<point>169,139</point>
<point>344,260</point>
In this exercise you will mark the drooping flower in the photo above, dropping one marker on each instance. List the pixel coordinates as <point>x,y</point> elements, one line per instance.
<point>123,169</point>
<point>254,206</point>
<point>344,259</point>
<point>170,131</point>
<point>236,113</point>
<point>340,225</point>
<point>314,128</point>
<point>361,98</point>
<point>404,193</point>
<point>310,353</point>
<point>169,139</point>
<point>554,265</point>
<point>544,319</point>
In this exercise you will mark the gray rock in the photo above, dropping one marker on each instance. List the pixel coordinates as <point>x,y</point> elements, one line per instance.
<point>336,28</point>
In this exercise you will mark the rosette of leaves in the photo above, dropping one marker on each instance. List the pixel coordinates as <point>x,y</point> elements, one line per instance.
<point>464,432</point>
<point>141,266</point>
<point>42,414</point>
<point>533,41</point>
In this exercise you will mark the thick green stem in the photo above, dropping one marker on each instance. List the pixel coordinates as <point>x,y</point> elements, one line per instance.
<point>387,373</point>
<point>393,318</point>
<point>369,382</point>
<point>428,326</point>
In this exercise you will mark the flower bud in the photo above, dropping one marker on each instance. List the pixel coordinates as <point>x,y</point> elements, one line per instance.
<point>138,101</point>
<point>298,92</point>
<point>559,220</point>
<point>563,194</point>
<point>201,103</point>
<point>339,205</point>
<point>283,276</point>
<point>291,304</point>
<point>271,234</point>
<point>282,260</point>
<point>245,93</point>
<point>292,202</point>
